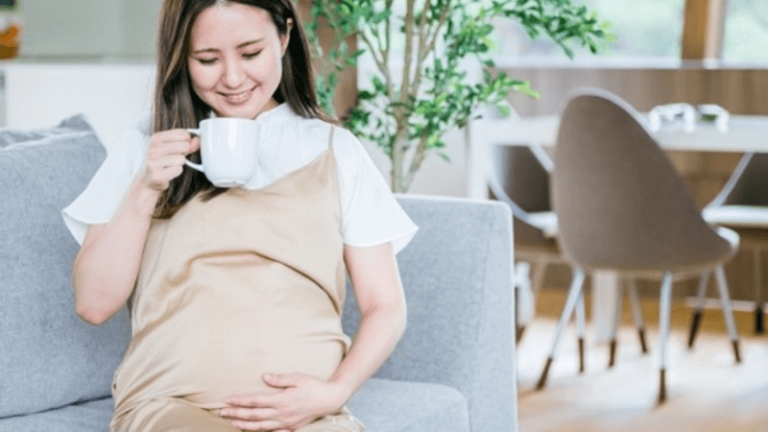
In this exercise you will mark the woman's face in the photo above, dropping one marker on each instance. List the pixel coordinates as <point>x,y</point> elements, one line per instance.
<point>235,59</point>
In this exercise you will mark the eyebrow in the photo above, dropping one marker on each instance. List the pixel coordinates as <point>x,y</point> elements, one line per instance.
<point>244,44</point>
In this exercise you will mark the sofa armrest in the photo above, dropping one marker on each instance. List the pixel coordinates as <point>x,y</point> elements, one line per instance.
<point>458,285</point>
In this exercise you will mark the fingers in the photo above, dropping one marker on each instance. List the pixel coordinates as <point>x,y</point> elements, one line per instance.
<point>194,144</point>
<point>267,425</point>
<point>281,380</point>
<point>166,156</point>
<point>175,141</point>
<point>256,419</point>
<point>252,401</point>
<point>248,414</point>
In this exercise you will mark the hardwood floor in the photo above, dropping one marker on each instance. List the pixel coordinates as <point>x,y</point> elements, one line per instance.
<point>707,390</point>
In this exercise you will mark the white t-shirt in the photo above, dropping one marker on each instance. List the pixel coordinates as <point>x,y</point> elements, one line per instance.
<point>370,213</point>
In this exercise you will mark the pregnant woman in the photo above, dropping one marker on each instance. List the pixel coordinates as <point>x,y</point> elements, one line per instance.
<point>236,294</point>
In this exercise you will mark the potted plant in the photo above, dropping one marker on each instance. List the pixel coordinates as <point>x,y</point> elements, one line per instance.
<point>406,108</point>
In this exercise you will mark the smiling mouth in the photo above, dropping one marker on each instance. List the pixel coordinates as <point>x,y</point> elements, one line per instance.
<point>238,97</point>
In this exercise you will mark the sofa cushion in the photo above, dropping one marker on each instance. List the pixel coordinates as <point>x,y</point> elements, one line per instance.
<point>402,406</point>
<point>50,358</point>
<point>92,416</point>
<point>75,124</point>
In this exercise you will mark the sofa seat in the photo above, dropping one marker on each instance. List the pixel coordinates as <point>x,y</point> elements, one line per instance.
<point>383,405</point>
<point>389,406</point>
<point>82,417</point>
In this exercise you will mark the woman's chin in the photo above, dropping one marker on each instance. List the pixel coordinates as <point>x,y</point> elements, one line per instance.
<point>249,111</point>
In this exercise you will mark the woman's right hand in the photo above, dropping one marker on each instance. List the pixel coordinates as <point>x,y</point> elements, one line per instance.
<point>166,153</point>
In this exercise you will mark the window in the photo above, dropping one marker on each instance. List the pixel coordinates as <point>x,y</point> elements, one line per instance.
<point>644,29</point>
<point>745,34</point>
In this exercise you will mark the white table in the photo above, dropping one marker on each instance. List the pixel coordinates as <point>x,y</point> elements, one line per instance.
<point>744,134</point>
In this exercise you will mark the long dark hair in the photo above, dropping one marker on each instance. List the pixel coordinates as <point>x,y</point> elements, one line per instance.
<point>177,106</point>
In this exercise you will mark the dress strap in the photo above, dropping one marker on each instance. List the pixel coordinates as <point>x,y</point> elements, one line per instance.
<point>330,137</point>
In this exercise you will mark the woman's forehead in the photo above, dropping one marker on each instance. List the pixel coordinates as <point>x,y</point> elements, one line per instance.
<point>231,23</point>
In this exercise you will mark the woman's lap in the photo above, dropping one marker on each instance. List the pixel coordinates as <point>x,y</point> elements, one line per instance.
<point>171,415</point>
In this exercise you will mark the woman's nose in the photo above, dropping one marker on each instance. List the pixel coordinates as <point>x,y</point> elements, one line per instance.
<point>233,74</point>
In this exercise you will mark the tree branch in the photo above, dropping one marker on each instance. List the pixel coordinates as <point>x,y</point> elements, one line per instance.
<point>380,63</point>
<point>408,51</point>
<point>429,47</point>
<point>420,54</point>
<point>401,139</point>
<point>387,34</point>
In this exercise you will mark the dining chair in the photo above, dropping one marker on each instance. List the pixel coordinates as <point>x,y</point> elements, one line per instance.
<point>742,204</point>
<point>518,175</point>
<point>622,207</point>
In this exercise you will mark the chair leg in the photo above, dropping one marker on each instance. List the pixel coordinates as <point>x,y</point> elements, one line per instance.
<point>730,322</point>
<point>664,316</point>
<point>616,324</point>
<point>570,304</point>
<point>759,322</point>
<point>523,294</point>
<point>519,330</point>
<point>581,329</point>
<point>637,314</point>
<point>538,271</point>
<point>698,309</point>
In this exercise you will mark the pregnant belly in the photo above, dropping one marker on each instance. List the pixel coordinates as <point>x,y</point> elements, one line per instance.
<point>205,366</point>
<point>205,345</point>
<point>234,366</point>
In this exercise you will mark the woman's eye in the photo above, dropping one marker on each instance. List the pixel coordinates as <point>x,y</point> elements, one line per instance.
<point>252,55</point>
<point>207,61</point>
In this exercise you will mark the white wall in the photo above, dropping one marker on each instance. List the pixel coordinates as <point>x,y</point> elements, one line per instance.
<point>436,177</point>
<point>112,97</point>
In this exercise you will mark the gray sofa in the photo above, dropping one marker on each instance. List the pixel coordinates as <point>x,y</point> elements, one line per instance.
<point>453,370</point>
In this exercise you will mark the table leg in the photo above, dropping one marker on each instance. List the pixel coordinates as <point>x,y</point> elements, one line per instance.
<point>759,320</point>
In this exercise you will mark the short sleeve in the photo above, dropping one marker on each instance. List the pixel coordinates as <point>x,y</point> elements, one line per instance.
<point>370,213</point>
<point>101,198</point>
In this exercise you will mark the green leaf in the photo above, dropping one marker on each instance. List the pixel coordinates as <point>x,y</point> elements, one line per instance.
<point>504,109</point>
<point>365,95</point>
<point>378,84</point>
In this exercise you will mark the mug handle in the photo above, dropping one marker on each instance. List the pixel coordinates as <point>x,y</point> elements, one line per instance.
<point>189,163</point>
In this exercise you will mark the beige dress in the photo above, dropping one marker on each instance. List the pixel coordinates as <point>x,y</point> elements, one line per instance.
<point>247,282</point>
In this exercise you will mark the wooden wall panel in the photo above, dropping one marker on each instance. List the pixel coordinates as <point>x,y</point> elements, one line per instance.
<point>702,29</point>
<point>741,91</point>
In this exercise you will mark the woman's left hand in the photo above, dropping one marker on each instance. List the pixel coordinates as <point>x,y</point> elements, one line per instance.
<point>299,400</point>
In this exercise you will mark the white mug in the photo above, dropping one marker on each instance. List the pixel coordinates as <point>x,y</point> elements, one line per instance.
<point>229,149</point>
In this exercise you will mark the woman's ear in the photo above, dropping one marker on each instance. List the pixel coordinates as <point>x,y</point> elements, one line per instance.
<point>286,38</point>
